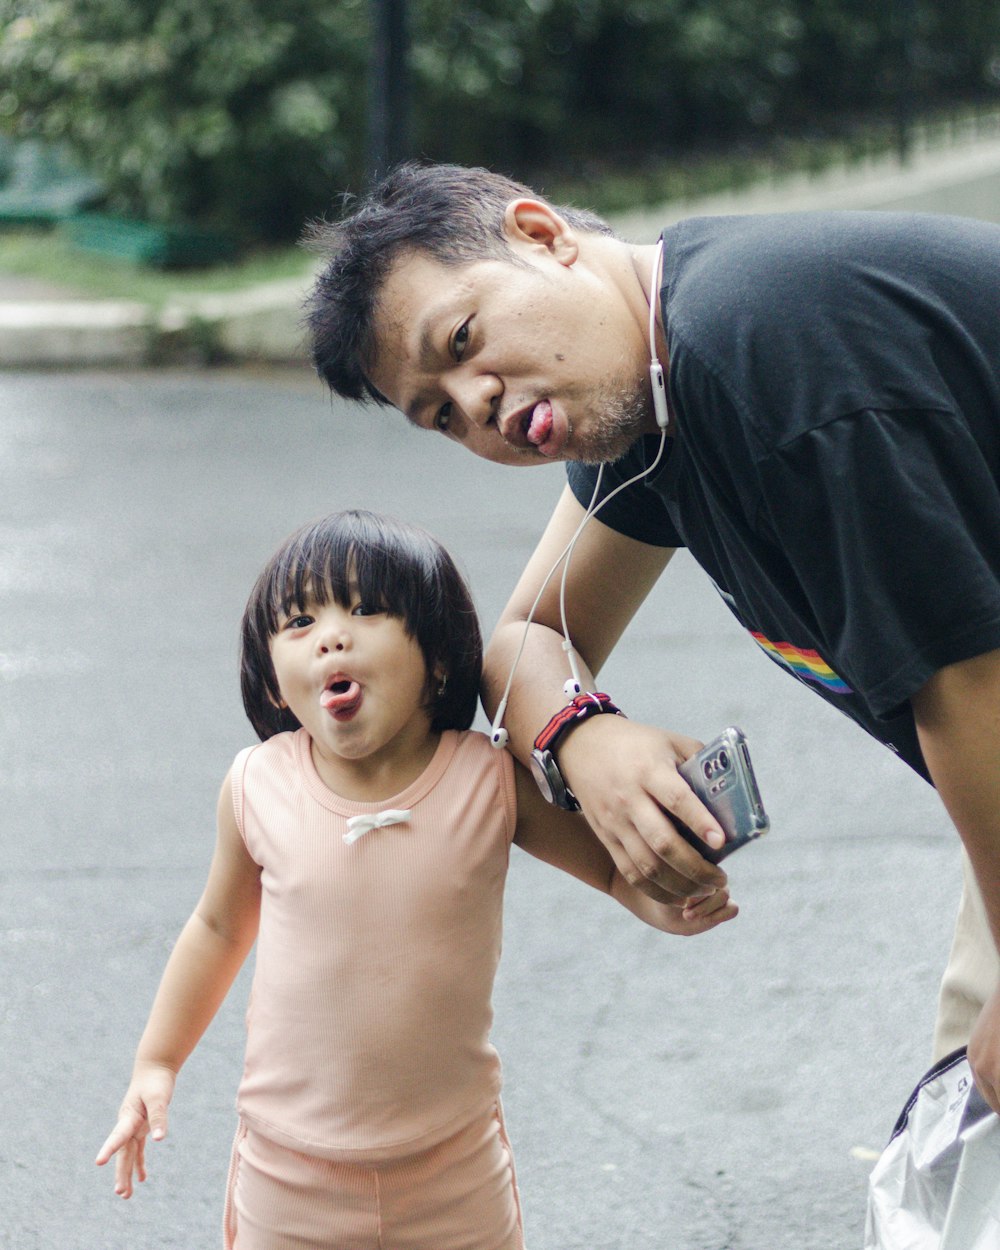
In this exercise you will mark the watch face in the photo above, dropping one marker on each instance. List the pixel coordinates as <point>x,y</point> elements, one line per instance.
<point>541,763</point>
<point>550,781</point>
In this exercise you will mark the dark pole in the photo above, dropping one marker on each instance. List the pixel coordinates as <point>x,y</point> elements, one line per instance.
<point>389,102</point>
<point>905,15</point>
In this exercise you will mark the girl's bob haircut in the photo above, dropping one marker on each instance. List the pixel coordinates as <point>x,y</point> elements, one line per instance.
<point>393,564</point>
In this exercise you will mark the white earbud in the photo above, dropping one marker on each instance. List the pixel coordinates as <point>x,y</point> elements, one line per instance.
<point>498,735</point>
<point>574,685</point>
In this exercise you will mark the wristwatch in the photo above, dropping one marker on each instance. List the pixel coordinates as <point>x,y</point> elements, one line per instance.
<point>544,768</point>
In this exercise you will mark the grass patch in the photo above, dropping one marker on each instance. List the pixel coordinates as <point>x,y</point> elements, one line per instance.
<point>49,257</point>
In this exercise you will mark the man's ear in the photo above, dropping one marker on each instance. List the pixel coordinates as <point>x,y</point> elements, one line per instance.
<point>535,224</point>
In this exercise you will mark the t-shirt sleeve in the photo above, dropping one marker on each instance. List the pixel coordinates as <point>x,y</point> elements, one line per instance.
<point>636,512</point>
<point>891,524</point>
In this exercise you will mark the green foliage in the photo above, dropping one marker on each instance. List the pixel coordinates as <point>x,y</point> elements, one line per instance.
<point>575,84</point>
<point>250,115</point>
<point>236,114</point>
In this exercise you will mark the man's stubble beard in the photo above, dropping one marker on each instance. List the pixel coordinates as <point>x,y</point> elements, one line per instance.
<point>618,415</point>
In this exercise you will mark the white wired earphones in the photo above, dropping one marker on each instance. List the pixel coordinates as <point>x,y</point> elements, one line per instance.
<point>574,685</point>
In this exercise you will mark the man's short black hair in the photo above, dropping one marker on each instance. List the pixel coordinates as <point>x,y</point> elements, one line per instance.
<point>451,213</point>
<point>398,566</point>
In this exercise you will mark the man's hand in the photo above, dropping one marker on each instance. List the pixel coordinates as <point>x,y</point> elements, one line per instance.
<point>957,715</point>
<point>984,1051</point>
<point>625,777</point>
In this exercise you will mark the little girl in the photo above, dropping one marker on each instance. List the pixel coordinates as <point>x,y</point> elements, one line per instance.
<point>363,844</point>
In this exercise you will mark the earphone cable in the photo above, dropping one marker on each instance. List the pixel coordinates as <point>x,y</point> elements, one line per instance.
<point>591,509</point>
<point>565,556</point>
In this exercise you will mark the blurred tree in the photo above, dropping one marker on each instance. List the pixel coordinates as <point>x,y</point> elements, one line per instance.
<point>575,83</point>
<point>252,114</point>
<point>237,114</point>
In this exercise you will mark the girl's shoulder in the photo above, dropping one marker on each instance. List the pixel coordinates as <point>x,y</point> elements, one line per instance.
<point>278,747</point>
<point>279,755</point>
<point>478,766</point>
<point>474,745</point>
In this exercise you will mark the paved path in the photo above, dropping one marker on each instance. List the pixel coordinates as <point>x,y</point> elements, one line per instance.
<point>662,1095</point>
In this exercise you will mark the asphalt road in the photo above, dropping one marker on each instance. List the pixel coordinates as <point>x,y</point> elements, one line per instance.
<point>662,1094</point>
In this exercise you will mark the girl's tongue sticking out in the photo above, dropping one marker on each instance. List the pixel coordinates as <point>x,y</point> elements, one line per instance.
<point>341,696</point>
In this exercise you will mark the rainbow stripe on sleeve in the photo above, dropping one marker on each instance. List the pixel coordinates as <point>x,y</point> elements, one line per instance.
<point>804,663</point>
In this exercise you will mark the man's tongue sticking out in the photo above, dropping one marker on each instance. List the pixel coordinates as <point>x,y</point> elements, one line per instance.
<point>540,426</point>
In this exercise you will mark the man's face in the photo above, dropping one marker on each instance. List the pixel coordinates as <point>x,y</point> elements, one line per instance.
<point>520,363</point>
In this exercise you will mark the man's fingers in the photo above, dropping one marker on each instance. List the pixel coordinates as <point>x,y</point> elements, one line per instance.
<point>987,1089</point>
<point>664,857</point>
<point>682,804</point>
<point>984,1051</point>
<point>985,1079</point>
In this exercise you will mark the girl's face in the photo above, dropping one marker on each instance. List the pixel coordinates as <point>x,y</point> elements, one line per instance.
<point>357,683</point>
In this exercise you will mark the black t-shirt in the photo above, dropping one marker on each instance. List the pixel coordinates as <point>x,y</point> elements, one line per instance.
<point>835,465</point>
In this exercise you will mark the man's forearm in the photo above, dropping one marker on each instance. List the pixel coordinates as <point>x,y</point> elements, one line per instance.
<point>958,722</point>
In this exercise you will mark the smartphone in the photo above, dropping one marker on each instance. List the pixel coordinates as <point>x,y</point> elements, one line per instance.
<point>722,776</point>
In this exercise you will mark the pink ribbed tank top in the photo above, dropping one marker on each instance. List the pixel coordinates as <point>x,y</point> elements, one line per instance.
<point>369,1017</point>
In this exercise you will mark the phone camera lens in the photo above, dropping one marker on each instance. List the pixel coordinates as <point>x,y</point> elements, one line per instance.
<point>723,759</point>
<point>707,768</point>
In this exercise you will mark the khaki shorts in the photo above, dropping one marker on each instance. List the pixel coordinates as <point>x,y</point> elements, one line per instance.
<point>458,1195</point>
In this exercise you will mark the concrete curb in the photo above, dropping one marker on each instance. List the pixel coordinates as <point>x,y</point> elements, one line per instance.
<point>262,323</point>
<point>265,323</point>
<point>89,332</point>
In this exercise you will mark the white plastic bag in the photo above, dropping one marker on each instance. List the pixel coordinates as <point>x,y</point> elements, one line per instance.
<point>936,1185</point>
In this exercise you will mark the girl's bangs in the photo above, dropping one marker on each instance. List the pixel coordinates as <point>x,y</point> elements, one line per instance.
<point>340,567</point>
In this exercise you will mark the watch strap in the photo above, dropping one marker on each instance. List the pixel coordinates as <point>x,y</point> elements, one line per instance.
<point>580,707</point>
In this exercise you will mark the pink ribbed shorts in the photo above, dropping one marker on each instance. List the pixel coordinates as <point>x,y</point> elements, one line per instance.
<point>458,1195</point>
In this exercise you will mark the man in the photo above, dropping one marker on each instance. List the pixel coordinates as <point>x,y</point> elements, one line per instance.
<point>831,458</point>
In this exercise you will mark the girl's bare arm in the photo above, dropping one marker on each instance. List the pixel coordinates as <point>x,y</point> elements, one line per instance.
<point>209,953</point>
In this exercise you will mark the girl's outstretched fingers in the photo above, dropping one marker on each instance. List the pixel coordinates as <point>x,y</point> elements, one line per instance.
<point>127,1145</point>
<point>714,910</point>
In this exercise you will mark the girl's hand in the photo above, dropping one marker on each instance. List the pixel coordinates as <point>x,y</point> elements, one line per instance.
<point>143,1111</point>
<point>686,919</point>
